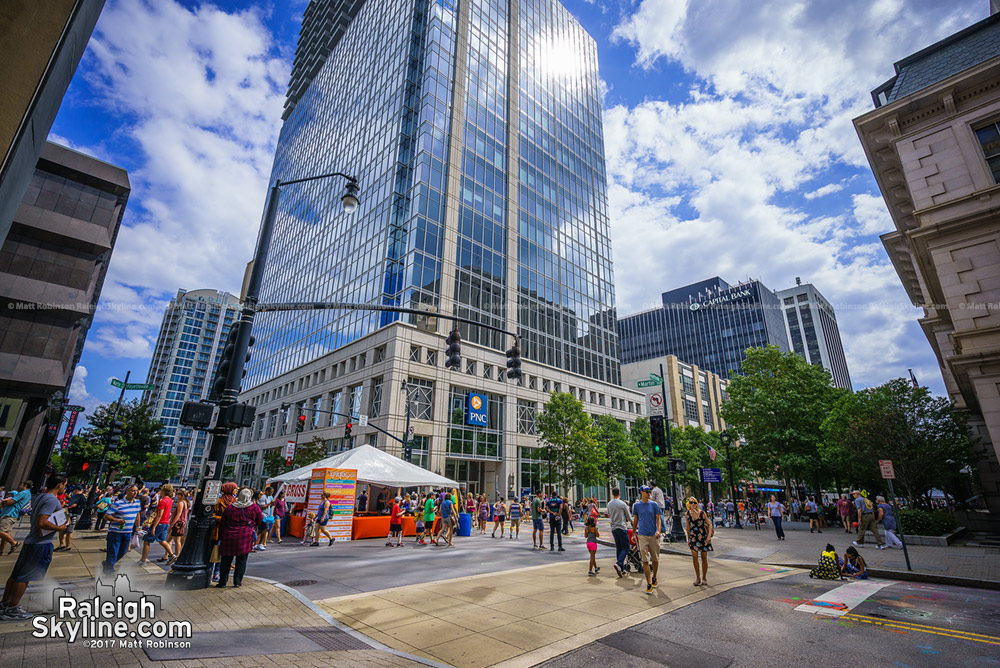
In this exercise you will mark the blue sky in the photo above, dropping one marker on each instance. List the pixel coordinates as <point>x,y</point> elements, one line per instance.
<point>728,134</point>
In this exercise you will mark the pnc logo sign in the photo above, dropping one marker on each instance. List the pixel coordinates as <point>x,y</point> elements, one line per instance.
<point>475,413</point>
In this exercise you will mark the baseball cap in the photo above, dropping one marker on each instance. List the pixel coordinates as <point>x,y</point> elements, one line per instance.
<point>645,488</point>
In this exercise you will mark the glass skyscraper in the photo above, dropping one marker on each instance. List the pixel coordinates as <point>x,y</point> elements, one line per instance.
<point>475,130</point>
<point>195,326</point>
<point>709,324</point>
<point>813,331</point>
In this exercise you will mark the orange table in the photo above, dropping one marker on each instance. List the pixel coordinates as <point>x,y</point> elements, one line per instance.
<point>377,526</point>
<point>296,526</point>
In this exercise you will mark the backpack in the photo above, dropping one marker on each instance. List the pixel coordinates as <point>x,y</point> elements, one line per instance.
<point>868,504</point>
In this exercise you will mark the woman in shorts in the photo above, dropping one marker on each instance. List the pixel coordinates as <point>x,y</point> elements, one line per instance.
<point>484,513</point>
<point>499,517</point>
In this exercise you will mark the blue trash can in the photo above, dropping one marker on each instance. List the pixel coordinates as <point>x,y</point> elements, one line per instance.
<point>464,524</point>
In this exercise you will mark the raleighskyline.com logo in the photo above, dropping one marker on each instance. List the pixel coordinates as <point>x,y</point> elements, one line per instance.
<point>117,616</point>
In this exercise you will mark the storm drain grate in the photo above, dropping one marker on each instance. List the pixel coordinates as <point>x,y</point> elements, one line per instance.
<point>299,583</point>
<point>332,638</point>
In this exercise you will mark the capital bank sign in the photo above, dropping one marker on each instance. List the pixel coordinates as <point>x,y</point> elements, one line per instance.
<point>721,299</point>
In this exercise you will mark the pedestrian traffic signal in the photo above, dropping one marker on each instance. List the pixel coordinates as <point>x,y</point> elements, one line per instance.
<point>657,436</point>
<point>453,354</point>
<point>408,452</point>
<point>301,423</point>
<point>514,362</point>
<point>115,434</point>
<point>86,465</point>
<point>347,431</point>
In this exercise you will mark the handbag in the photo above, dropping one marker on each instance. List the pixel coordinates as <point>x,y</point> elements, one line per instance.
<point>215,557</point>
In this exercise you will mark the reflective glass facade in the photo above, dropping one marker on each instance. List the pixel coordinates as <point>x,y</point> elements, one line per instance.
<point>709,324</point>
<point>475,131</point>
<point>813,331</point>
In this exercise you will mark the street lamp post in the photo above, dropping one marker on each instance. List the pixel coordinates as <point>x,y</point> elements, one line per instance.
<point>676,530</point>
<point>192,569</point>
<point>724,437</point>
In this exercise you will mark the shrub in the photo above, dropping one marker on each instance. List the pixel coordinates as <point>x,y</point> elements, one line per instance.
<point>916,522</point>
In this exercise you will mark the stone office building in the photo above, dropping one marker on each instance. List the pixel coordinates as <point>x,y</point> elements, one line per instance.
<point>933,142</point>
<point>475,131</point>
<point>52,267</point>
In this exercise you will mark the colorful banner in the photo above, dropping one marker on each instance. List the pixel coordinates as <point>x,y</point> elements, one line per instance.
<point>295,492</point>
<point>69,429</point>
<point>344,484</point>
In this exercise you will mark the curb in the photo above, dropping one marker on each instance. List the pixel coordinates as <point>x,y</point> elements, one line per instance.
<point>909,576</point>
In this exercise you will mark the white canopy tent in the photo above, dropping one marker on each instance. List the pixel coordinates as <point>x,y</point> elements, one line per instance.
<point>375,467</point>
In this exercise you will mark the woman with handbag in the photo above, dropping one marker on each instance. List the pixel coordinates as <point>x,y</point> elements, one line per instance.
<point>280,508</point>
<point>236,530</point>
<point>178,523</point>
<point>227,495</point>
<point>102,507</point>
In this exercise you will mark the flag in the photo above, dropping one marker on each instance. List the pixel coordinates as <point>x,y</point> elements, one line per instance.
<point>711,452</point>
<point>913,379</point>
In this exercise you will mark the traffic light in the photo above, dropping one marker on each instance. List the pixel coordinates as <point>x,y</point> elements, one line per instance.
<point>86,465</point>
<point>347,430</point>
<point>453,355</point>
<point>677,466</point>
<point>115,434</point>
<point>514,363</point>
<point>407,452</point>
<point>226,360</point>
<point>300,424</point>
<point>657,436</point>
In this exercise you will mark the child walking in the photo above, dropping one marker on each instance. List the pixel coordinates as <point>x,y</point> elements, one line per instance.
<point>591,534</point>
<point>310,527</point>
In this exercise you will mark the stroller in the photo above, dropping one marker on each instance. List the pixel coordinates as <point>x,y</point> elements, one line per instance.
<point>633,560</point>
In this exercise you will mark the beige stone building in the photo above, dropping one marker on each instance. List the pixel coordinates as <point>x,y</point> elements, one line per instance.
<point>934,145</point>
<point>693,395</point>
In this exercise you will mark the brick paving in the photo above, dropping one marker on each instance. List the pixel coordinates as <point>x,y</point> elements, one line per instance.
<point>258,605</point>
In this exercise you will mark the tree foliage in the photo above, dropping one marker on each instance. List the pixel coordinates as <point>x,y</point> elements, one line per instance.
<point>622,456</point>
<point>564,426</point>
<point>305,454</point>
<point>928,440</point>
<point>778,405</point>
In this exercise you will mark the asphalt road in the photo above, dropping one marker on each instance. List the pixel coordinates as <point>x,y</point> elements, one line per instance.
<point>908,625</point>
<point>368,565</point>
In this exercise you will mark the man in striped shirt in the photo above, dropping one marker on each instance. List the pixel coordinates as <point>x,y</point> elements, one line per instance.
<point>121,518</point>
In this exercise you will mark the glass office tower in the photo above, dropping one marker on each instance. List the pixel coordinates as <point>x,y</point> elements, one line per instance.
<point>475,131</point>
<point>709,324</point>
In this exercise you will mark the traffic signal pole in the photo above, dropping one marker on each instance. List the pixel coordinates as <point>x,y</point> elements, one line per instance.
<point>676,530</point>
<point>84,523</point>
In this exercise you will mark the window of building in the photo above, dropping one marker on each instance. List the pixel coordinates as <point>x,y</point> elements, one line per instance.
<point>532,382</point>
<point>432,357</point>
<point>475,442</point>
<point>373,440</point>
<point>687,384</point>
<point>487,372</point>
<point>545,385</point>
<point>789,300</point>
<point>356,400</point>
<point>526,417</point>
<point>421,398</point>
<point>379,355</point>
<point>317,406</point>
<point>414,353</point>
<point>337,406</point>
<point>989,140</point>
<point>691,411</point>
<point>375,402</point>
<point>470,367</point>
<point>421,451</point>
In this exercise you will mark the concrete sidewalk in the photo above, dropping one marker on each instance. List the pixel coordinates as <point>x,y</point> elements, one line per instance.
<point>525,616</point>
<point>955,564</point>
<point>261,624</point>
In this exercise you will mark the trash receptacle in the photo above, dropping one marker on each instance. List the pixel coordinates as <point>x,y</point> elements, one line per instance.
<point>464,524</point>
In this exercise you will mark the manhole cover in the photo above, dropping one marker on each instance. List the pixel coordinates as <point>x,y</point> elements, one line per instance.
<point>299,583</point>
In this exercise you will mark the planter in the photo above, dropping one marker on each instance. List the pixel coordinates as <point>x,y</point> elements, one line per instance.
<point>940,541</point>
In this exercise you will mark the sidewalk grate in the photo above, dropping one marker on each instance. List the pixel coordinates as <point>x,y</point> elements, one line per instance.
<point>299,583</point>
<point>331,638</point>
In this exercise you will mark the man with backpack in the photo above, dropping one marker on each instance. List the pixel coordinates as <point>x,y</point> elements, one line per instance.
<point>866,520</point>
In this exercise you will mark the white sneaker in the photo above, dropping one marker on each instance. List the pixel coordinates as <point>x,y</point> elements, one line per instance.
<point>857,544</point>
<point>263,547</point>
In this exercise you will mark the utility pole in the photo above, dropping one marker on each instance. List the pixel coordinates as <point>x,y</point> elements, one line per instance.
<point>676,530</point>
<point>725,438</point>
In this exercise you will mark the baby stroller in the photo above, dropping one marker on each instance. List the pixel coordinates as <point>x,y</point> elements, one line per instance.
<point>633,560</point>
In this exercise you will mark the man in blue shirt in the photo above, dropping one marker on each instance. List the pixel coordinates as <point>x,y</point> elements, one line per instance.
<point>554,506</point>
<point>10,511</point>
<point>121,517</point>
<point>646,516</point>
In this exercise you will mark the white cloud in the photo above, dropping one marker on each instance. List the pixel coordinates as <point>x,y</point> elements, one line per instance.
<point>775,88</point>
<point>78,393</point>
<point>200,98</point>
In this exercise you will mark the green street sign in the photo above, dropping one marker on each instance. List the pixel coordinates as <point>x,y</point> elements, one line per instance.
<point>117,383</point>
<point>648,383</point>
<point>655,378</point>
<point>78,409</point>
<point>140,386</point>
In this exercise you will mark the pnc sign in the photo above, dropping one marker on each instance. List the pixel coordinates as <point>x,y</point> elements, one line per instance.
<point>475,409</point>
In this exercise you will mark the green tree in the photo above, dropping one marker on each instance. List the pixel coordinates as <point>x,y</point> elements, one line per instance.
<point>305,454</point>
<point>623,458</point>
<point>564,426</point>
<point>928,440</point>
<point>778,405</point>
<point>142,434</point>
<point>158,466</point>
<point>80,451</point>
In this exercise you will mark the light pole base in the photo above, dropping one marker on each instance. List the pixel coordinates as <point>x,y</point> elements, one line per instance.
<point>677,534</point>
<point>192,570</point>
<point>190,576</point>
